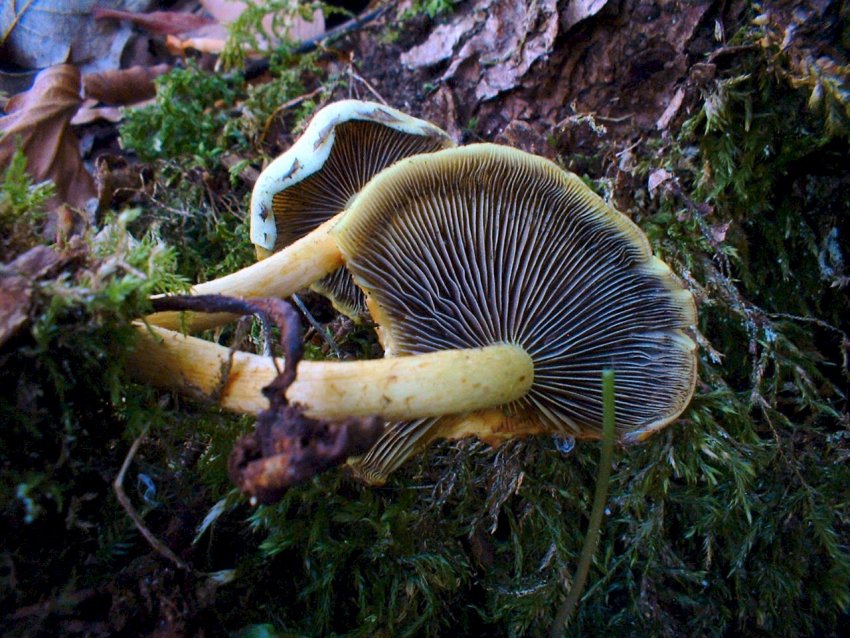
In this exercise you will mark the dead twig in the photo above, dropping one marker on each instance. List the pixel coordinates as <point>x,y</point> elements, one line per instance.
<point>118,486</point>
<point>354,75</point>
<point>258,67</point>
<point>286,446</point>
<point>323,332</point>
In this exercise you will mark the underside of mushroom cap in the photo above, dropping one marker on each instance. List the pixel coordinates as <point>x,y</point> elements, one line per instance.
<point>345,144</point>
<point>359,139</point>
<point>485,244</point>
<point>343,293</point>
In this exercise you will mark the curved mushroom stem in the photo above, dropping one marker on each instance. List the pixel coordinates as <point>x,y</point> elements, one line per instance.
<point>396,388</point>
<point>280,275</point>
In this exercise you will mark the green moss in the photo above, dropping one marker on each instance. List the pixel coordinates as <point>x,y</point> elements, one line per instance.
<point>191,118</point>
<point>22,207</point>
<point>65,405</point>
<point>732,521</point>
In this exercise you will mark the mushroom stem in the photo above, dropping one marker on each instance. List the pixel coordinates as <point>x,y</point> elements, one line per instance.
<point>280,275</point>
<point>396,388</point>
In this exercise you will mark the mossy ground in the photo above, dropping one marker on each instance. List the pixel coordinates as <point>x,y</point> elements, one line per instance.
<point>733,521</point>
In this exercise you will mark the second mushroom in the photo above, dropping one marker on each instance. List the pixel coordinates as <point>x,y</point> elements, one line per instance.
<point>345,145</point>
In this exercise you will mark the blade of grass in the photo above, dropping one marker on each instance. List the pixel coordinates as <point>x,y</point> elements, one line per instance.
<point>599,499</point>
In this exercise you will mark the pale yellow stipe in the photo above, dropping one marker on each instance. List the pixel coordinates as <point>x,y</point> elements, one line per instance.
<point>280,275</point>
<point>433,384</point>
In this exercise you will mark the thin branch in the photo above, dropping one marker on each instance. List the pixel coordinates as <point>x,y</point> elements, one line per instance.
<point>118,486</point>
<point>356,76</point>
<point>258,67</point>
<point>342,30</point>
<point>324,332</point>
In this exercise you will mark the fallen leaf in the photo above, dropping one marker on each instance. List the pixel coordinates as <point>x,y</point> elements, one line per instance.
<point>498,40</point>
<point>89,112</point>
<point>160,22</point>
<point>43,33</point>
<point>39,122</point>
<point>124,86</point>
<point>16,287</point>
<point>656,179</point>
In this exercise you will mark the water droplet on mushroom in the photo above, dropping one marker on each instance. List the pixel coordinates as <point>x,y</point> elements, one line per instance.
<point>564,444</point>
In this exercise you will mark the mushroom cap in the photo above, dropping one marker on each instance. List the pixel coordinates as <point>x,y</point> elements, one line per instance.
<point>345,144</point>
<point>484,244</point>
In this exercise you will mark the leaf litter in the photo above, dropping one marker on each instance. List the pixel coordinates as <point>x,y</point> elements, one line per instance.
<point>38,122</point>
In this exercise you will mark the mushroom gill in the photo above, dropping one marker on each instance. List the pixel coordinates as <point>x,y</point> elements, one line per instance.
<point>296,198</point>
<point>486,244</point>
<point>345,145</point>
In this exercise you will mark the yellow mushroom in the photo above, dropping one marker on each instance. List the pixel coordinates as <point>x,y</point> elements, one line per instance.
<point>344,146</point>
<point>481,254</point>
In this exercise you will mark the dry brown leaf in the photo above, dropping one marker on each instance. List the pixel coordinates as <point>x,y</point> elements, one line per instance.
<point>160,22</point>
<point>89,112</point>
<point>42,33</point>
<point>125,86</point>
<point>500,40</point>
<point>16,287</point>
<point>39,122</point>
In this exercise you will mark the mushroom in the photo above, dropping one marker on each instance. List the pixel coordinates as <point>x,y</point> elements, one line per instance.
<point>479,253</point>
<point>345,144</point>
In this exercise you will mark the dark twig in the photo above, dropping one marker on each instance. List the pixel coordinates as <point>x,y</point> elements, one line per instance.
<point>344,29</point>
<point>118,486</point>
<point>276,311</point>
<point>323,332</point>
<point>286,446</point>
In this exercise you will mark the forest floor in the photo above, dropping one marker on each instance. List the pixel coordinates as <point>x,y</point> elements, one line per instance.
<point>130,147</point>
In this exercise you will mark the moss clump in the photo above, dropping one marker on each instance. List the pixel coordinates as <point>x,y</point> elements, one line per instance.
<point>22,206</point>
<point>197,135</point>
<point>191,119</point>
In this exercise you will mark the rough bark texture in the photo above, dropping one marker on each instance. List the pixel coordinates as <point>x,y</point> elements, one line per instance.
<point>620,61</point>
